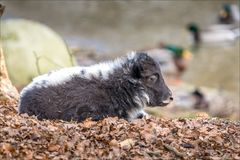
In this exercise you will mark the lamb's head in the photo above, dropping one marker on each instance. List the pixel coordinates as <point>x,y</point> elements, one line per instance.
<point>147,72</point>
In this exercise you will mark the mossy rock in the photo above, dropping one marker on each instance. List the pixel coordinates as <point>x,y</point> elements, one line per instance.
<point>23,41</point>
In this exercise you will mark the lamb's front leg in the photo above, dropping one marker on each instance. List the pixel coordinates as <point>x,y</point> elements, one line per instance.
<point>88,111</point>
<point>142,114</point>
<point>98,112</point>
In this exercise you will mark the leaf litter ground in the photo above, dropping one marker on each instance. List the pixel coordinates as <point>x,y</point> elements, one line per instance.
<point>24,137</point>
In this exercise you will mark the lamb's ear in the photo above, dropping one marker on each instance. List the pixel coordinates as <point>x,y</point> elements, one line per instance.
<point>136,70</point>
<point>138,62</point>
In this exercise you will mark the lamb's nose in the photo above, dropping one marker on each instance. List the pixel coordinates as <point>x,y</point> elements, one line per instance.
<point>168,100</point>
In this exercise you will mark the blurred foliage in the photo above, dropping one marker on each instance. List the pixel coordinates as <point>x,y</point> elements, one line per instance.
<point>30,48</point>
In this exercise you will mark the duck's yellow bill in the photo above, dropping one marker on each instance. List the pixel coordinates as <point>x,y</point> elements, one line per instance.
<point>187,55</point>
<point>223,13</point>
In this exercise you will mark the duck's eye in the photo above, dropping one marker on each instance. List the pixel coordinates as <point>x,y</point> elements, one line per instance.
<point>153,78</point>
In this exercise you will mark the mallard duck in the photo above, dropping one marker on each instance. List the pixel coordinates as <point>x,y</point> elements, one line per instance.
<point>173,59</point>
<point>195,99</point>
<point>200,99</point>
<point>180,56</point>
<point>229,14</point>
<point>211,35</point>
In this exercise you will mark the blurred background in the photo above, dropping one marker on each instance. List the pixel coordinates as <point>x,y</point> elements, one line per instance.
<point>196,42</point>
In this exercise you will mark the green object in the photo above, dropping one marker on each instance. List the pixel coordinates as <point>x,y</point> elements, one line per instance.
<point>227,8</point>
<point>193,27</point>
<point>30,48</point>
<point>176,50</point>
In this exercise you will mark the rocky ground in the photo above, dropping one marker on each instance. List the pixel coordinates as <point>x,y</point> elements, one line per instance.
<point>24,137</point>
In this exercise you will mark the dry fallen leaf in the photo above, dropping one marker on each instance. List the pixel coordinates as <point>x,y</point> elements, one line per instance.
<point>127,143</point>
<point>114,142</point>
<point>88,123</point>
<point>202,115</point>
<point>53,147</point>
<point>7,147</point>
<point>28,154</point>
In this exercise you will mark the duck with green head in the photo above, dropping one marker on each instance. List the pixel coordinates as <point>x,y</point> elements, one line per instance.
<point>172,58</point>
<point>181,56</point>
<point>229,14</point>
<point>225,15</point>
<point>212,36</point>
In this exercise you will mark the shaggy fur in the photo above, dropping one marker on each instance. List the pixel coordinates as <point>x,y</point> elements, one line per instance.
<point>117,88</point>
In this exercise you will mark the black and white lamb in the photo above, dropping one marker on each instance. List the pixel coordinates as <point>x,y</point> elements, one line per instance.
<point>116,88</point>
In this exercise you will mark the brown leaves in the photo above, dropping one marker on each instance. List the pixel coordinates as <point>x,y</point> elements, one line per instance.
<point>53,147</point>
<point>26,137</point>
<point>88,123</point>
<point>128,143</point>
<point>7,148</point>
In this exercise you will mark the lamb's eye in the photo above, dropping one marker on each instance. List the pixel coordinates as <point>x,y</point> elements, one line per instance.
<point>153,78</point>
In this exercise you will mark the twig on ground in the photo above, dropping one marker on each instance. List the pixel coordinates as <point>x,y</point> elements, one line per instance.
<point>37,63</point>
<point>176,152</point>
<point>154,153</point>
<point>71,55</point>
